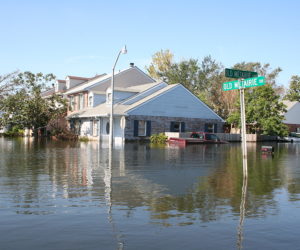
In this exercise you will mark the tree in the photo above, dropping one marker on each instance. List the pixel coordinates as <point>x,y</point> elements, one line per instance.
<point>293,93</point>
<point>264,111</point>
<point>7,84</point>
<point>202,78</point>
<point>26,107</point>
<point>161,63</point>
<point>263,70</point>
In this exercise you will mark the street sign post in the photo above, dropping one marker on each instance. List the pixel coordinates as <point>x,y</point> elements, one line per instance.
<point>235,73</point>
<point>247,79</point>
<point>245,83</point>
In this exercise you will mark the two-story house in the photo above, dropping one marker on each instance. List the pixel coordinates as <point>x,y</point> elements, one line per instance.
<point>142,106</point>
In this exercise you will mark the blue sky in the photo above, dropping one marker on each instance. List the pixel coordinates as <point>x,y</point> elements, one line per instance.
<point>83,37</point>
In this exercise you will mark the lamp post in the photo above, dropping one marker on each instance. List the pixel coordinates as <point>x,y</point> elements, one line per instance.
<point>111,120</point>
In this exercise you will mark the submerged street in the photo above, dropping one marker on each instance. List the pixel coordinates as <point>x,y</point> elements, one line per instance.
<point>56,195</point>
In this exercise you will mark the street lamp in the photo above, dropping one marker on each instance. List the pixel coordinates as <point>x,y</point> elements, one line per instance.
<point>111,121</point>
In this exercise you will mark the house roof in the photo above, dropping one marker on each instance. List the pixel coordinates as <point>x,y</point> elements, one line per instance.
<point>101,79</point>
<point>138,88</point>
<point>120,109</point>
<point>289,104</point>
<point>79,78</point>
<point>292,114</point>
<point>48,92</point>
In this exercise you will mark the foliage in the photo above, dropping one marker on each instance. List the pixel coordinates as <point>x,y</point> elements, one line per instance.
<point>161,63</point>
<point>26,107</point>
<point>8,84</point>
<point>158,138</point>
<point>15,131</point>
<point>204,79</point>
<point>293,93</point>
<point>84,139</point>
<point>264,111</point>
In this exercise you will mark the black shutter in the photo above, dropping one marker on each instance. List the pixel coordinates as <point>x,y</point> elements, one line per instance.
<point>182,127</point>
<point>148,128</point>
<point>135,128</point>
<point>215,128</point>
<point>172,127</point>
<point>205,127</point>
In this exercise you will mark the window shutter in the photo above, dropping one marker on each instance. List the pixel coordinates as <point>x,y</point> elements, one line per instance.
<point>148,129</point>
<point>172,127</point>
<point>215,128</point>
<point>135,127</point>
<point>182,127</point>
<point>205,127</point>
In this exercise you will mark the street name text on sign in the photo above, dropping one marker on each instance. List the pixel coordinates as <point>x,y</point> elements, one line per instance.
<point>246,83</point>
<point>235,73</point>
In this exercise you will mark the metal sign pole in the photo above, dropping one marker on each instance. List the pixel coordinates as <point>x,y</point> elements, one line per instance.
<point>243,122</point>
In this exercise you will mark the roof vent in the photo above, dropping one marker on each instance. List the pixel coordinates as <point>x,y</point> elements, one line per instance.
<point>131,65</point>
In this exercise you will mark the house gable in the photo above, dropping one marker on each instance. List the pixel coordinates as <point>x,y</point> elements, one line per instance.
<point>175,102</point>
<point>124,79</point>
<point>292,115</point>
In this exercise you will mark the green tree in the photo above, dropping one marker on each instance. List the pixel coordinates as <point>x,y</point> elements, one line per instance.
<point>8,84</point>
<point>264,111</point>
<point>202,78</point>
<point>293,93</point>
<point>26,107</point>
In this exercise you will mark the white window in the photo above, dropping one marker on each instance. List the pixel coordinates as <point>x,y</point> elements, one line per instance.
<point>177,127</point>
<point>109,98</point>
<point>142,128</point>
<point>210,128</point>
<point>90,101</point>
<point>81,101</point>
<point>72,103</point>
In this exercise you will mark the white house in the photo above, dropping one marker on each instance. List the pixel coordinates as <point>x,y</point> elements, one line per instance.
<point>142,106</point>
<point>292,116</point>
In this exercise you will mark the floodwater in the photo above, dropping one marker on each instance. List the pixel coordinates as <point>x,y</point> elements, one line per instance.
<point>56,195</point>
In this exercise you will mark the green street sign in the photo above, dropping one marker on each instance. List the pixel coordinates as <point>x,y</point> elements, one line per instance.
<point>246,83</point>
<point>235,73</point>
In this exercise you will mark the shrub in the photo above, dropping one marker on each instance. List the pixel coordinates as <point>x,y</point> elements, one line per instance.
<point>158,138</point>
<point>84,139</point>
<point>15,131</point>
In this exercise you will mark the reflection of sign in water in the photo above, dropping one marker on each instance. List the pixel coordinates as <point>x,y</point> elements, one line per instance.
<point>242,205</point>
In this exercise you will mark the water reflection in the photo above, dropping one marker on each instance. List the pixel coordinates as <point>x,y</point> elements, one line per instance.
<point>165,187</point>
<point>204,180</point>
<point>242,205</point>
<point>108,198</point>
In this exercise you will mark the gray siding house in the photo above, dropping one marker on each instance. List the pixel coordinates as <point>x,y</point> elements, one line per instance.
<point>142,107</point>
<point>292,118</point>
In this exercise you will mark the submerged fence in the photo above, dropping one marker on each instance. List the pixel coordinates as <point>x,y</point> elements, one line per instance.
<point>228,137</point>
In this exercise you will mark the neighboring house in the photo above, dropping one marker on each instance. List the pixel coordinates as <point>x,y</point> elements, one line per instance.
<point>61,86</point>
<point>292,116</point>
<point>142,107</point>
